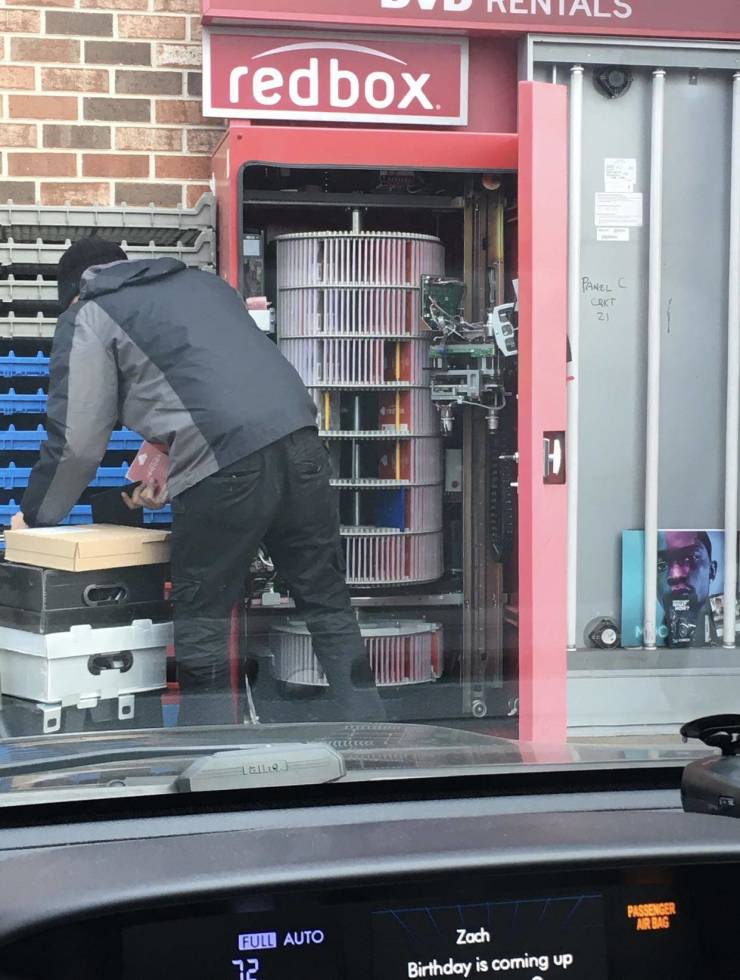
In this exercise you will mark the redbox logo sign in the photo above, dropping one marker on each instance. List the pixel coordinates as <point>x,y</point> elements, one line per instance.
<point>337,77</point>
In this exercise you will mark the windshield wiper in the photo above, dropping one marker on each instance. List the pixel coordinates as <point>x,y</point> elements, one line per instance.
<point>219,766</point>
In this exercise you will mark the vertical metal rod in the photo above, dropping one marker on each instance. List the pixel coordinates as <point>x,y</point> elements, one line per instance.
<point>555,74</point>
<point>733,385</point>
<point>655,282</point>
<point>469,612</point>
<point>575,193</point>
<point>356,516</point>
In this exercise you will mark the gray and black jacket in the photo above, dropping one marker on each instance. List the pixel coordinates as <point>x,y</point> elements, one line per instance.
<point>173,354</point>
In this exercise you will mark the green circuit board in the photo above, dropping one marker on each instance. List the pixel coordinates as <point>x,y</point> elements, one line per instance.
<point>441,297</point>
<point>463,350</point>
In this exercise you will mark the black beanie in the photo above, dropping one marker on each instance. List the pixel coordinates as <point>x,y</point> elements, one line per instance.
<point>80,257</point>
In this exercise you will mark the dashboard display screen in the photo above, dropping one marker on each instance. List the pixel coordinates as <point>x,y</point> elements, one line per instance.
<point>523,939</point>
<point>587,929</point>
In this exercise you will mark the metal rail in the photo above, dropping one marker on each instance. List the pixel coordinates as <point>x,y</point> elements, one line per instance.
<point>655,282</point>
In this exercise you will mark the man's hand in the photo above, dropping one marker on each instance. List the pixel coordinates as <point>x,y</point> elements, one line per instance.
<point>18,522</point>
<point>149,497</point>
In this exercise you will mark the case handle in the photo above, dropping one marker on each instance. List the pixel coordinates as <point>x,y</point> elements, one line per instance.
<point>105,595</point>
<point>122,662</point>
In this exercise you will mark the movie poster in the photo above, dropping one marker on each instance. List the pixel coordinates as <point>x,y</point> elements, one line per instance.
<point>690,594</point>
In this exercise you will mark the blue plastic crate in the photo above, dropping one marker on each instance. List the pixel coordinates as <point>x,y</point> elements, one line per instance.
<point>14,404</point>
<point>7,511</point>
<point>110,476</point>
<point>30,440</point>
<point>79,515</point>
<point>22,440</point>
<point>13,366</point>
<point>13,476</point>
<point>163,516</point>
<point>125,439</point>
<point>82,514</point>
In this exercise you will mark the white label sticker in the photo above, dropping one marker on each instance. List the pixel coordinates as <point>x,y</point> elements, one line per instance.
<point>618,210</point>
<point>612,234</point>
<point>620,174</point>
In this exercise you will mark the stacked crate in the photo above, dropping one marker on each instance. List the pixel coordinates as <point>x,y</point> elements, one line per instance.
<point>74,644</point>
<point>32,240</point>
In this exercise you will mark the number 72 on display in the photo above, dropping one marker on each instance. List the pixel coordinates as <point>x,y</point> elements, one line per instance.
<point>248,969</point>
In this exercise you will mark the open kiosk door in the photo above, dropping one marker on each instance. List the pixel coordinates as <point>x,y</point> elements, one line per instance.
<point>543,304</point>
<point>299,187</point>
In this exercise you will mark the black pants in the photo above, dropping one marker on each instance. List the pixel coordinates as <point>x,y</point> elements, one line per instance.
<point>280,496</point>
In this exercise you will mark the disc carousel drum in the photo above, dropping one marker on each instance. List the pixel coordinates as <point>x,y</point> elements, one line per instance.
<point>401,652</point>
<point>349,321</point>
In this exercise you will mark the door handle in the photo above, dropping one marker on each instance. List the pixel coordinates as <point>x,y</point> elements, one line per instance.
<point>554,458</point>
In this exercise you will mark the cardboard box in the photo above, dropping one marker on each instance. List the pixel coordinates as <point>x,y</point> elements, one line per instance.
<point>93,546</point>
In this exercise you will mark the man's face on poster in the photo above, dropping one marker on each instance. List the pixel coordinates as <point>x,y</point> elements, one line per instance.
<point>685,568</point>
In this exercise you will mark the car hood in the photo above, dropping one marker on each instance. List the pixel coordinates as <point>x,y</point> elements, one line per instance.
<point>99,765</point>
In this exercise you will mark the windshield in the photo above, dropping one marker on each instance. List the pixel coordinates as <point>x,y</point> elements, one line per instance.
<point>411,448</point>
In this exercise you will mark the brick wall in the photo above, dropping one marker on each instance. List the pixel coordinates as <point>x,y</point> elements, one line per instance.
<point>100,103</point>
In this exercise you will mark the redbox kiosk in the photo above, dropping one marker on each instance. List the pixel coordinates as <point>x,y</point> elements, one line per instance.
<point>394,202</point>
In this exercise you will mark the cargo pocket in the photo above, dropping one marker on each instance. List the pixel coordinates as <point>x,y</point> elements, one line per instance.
<point>309,455</point>
<point>184,593</point>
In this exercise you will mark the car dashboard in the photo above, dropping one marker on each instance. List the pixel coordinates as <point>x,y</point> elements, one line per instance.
<point>582,884</point>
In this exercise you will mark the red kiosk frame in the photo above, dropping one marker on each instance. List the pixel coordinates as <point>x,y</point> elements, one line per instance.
<point>535,145</point>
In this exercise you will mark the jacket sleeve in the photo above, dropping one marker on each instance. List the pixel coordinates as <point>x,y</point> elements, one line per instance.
<point>81,413</point>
